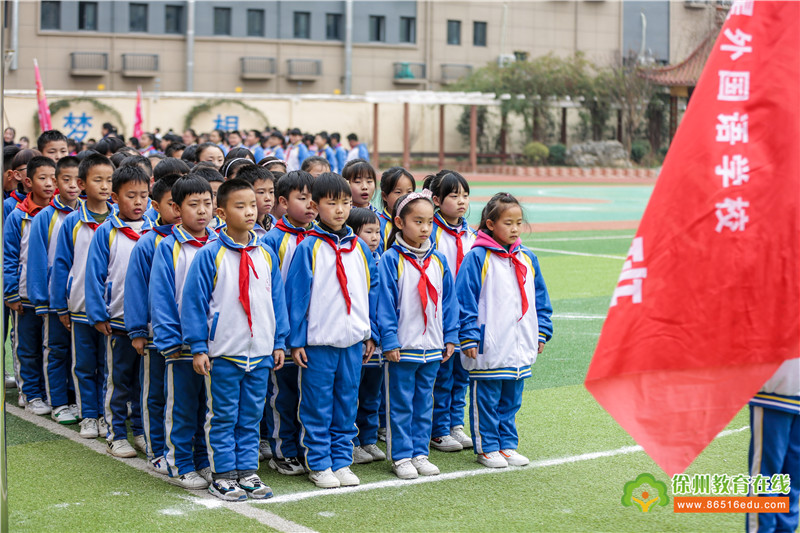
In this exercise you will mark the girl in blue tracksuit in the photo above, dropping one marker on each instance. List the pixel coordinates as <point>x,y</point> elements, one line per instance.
<point>505,320</point>
<point>395,182</point>
<point>418,321</point>
<point>453,237</point>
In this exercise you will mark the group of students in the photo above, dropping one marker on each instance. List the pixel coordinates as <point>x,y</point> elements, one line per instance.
<point>250,315</point>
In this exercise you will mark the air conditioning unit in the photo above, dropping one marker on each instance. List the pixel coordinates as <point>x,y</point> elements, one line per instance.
<point>504,60</point>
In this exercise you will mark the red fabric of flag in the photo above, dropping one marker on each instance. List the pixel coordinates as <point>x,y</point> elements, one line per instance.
<point>707,305</point>
<point>137,119</point>
<point>45,122</point>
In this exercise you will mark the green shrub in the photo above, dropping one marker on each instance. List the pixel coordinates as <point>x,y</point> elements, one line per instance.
<point>536,153</point>
<point>639,149</point>
<point>558,154</point>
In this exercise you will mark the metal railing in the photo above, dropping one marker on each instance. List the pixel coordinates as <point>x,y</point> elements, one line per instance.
<point>304,68</point>
<point>257,67</point>
<point>140,63</point>
<point>408,71</point>
<point>88,61</point>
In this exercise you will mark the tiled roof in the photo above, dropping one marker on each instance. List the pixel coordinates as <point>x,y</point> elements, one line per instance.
<point>687,72</point>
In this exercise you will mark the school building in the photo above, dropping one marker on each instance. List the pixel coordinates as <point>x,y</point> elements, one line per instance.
<point>325,47</point>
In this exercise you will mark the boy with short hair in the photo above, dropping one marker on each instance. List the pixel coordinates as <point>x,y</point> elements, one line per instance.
<point>27,338</point>
<point>238,320</point>
<point>53,144</point>
<point>263,183</point>
<point>215,179</point>
<point>68,295</point>
<point>321,141</point>
<point>358,150</point>
<point>186,453</point>
<point>57,355</point>
<point>106,267</point>
<point>20,166</point>
<point>296,152</point>
<point>137,322</point>
<point>315,165</point>
<point>332,289</point>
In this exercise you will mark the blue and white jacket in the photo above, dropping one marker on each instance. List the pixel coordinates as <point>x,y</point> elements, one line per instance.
<point>317,308</point>
<point>16,237</point>
<point>67,282</point>
<point>400,317</point>
<point>295,155</point>
<point>327,152</point>
<point>261,231</point>
<point>341,157</point>
<point>10,203</point>
<point>276,151</point>
<point>168,277</point>
<point>491,309</point>
<point>283,243</point>
<point>212,317</point>
<point>782,390</point>
<point>152,214</point>
<point>136,306</point>
<point>385,221</point>
<point>446,243</point>
<point>106,267</point>
<point>359,152</point>
<point>42,252</point>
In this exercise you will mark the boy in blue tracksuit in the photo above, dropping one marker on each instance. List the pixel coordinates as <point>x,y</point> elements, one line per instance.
<point>67,294</point>
<point>106,267</point>
<point>321,141</point>
<point>57,355</point>
<point>332,293</point>
<point>185,414</point>
<point>233,317</point>
<point>338,150</point>
<point>27,338</point>
<point>137,321</point>
<point>279,428</point>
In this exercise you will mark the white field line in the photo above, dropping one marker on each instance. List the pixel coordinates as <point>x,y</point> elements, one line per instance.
<point>256,513</point>
<point>582,254</point>
<point>394,483</point>
<point>578,316</point>
<point>596,238</point>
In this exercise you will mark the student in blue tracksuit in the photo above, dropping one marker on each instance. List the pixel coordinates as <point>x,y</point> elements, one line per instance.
<point>274,146</point>
<point>215,179</point>
<point>364,223</point>
<point>57,355</point>
<point>280,431</point>
<point>296,152</point>
<point>358,150</point>
<point>395,182</point>
<point>505,321</point>
<point>321,142</point>
<point>27,338</point>
<point>233,318</point>
<point>67,294</point>
<point>339,151</point>
<point>20,165</point>
<point>185,415</point>
<point>453,237</point>
<point>138,325</point>
<point>332,293</point>
<point>106,268</point>
<point>775,445</point>
<point>418,320</point>
<point>361,177</point>
<point>263,183</point>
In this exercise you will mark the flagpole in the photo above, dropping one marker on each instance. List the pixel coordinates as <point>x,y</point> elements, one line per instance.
<point>3,449</point>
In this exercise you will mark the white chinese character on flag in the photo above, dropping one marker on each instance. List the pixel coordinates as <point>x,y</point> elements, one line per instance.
<point>731,214</point>
<point>631,274</point>
<point>734,86</point>
<point>739,46</point>
<point>742,7</point>
<point>734,170</point>
<point>732,128</point>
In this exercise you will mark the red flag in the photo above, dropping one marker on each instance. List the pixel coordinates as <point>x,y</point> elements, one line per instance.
<point>707,304</point>
<point>137,121</point>
<point>45,122</point>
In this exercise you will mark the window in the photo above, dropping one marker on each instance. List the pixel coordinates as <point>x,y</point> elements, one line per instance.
<point>222,21</point>
<point>479,34</point>
<point>87,16</point>
<point>51,15</point>
<point>255,22</point>
<point>137,18</point>
<point>408,30</point>
<point>453,32</point>
<point>377,28</point>
<point>302,25</point>
<point>173,23</point>
<point>333,26</point>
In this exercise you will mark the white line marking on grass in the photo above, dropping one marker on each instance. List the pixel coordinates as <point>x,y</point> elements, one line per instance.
<point>394,483</point>
<point>264,517</point>
<point>577,316</point>
<point>582,254</point>
<point>596,238</point>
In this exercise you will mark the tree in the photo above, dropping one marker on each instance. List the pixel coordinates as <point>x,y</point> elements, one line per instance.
<point>631,92</point>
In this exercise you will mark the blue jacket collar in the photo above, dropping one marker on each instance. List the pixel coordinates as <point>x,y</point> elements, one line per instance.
<point>61,206</point>
<point>439,220</point>
<point>347,238</point>
<point>119,223</point>
<point>227,242</point>
<point>183,236</point>
<point>86,216</point>
<point>400,248</point>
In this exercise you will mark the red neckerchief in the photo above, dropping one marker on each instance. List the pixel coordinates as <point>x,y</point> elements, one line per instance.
<point>15,194</point>
<point>425,287</point>
<point>341,275</point>
<point>130,233</point>
<point>520,271</point>
<point>459,245</point>
<point>245,264</point>
<point>299,232</point>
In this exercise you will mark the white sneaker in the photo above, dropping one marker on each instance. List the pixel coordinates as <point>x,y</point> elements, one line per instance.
<point>457,432</point>
<point>192,481</point>
<point>424,467</point>
<point>254,487</point>
<point>376,453</point>
<point>324,479</point>
<point>446,443</point>
<point>382,434</point>
<point>38,407</point>
<point>288,466</point>
<point>346,477</point>
<point>492,460</point>
<point>513,458</point>
<point>404,469</point>
<point>21,400</point>
<point>63,415</point>
<point>264,451</point>
<point>159,465</point>
<point>360,456</point>
<point>102,427</point>
<point>89,428</point>
<point>205,473</point>
<point>75,411</point>
<point>120,448</point>
<point>140,443</point>
<point>227,489</point>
